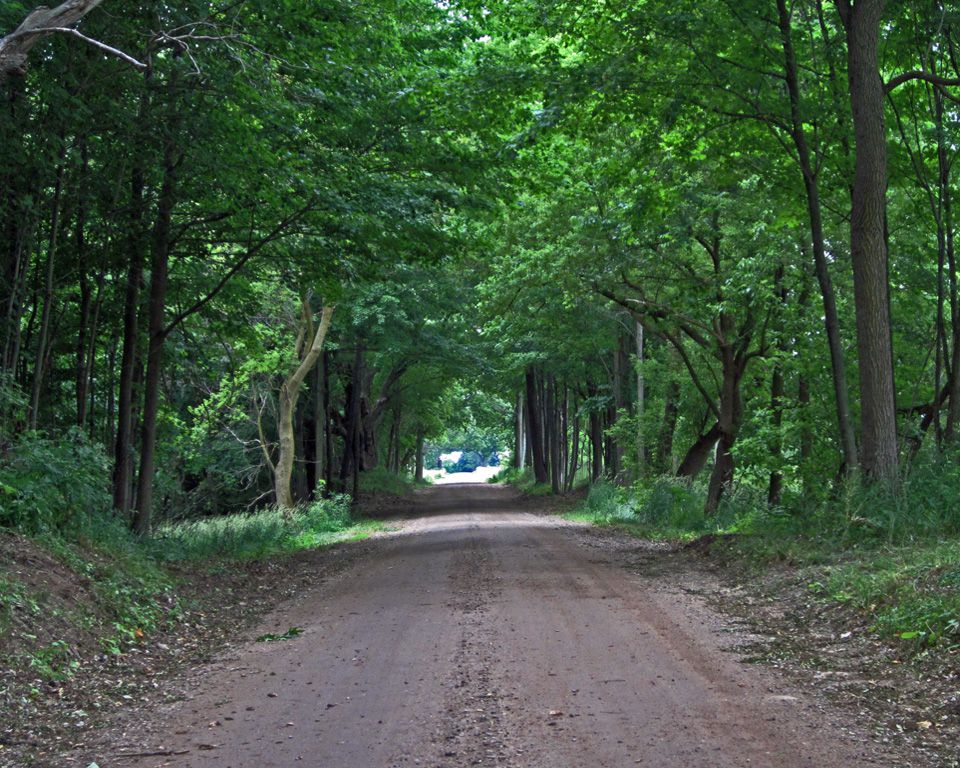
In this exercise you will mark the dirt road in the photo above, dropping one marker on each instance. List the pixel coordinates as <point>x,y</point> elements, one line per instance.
<point>476,634</point>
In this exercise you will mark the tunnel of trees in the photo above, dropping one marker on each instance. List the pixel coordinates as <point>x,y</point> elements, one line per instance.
<point>252,251</point>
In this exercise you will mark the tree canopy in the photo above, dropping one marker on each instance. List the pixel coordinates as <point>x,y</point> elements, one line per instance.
<point>251,251</point>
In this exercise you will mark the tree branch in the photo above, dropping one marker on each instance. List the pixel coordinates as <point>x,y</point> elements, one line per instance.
<point>274,234</point>
<point>109,49</point>
<point>15,47</point>
<point>918,74</point>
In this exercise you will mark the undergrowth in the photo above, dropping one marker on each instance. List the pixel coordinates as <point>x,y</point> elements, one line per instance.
<point>891,553</point>
<point>380,480</point>
<point>521,479</point>
<point>55,495</point>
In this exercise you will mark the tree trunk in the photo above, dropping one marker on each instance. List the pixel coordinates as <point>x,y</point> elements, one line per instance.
<point>520,455</point>
<point>574,448</point>
<point>156,332</point>
<point>868,246</point>
<point>123,448</point>
<point>668,426</point>
<point>418,473</point>
<point>731,410</point>
<point>698,453</point>
<point>534,428</point>
<point>15,47</point>
<point>289,393</point>
<point>327,431</point>
<point>775,487</point>
<point>641,402</point>
<point>596,436</point>
<point>43,336</point>
<point>553,437</point>
<point>831,317</point>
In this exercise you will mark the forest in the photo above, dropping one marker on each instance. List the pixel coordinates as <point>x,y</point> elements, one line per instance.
<point>690,263</point>
<point>252,252</point>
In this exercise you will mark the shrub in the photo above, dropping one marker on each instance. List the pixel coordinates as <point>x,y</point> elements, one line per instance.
<point>48,484</point>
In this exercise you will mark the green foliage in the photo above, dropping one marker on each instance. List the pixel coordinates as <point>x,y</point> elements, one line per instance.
<point>890,552</point>
<point>381,480</point>
<point>54,662</point>
<point>50,484</point>
<point>290,634</point>
<point>258,534</point>
<point>523,480</point>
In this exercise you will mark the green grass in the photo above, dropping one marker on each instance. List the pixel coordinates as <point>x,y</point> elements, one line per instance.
<point>380,480</point>
<point>133,588</point>
<point>254,535</point>
<point>522,480</point>
<point>886,553</point>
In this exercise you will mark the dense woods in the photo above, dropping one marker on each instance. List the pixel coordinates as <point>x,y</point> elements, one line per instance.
<point>254,251</point>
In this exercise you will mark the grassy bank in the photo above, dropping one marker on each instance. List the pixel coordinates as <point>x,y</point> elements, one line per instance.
<point>91,587</point>
<point>892,555</point>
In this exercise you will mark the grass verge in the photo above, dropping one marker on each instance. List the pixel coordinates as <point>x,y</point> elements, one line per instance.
<point>94,587</point>
<point>901,574</point>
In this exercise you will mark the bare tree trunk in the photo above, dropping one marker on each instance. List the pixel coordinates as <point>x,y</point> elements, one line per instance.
<point>43,336</point>
<point>698,453</point>
<point>564,419</point>
<point>418,473</point>
<point>534,428</point>
<point>123,448</point>
<point>156,334</point>
<point>641,402</point>
<point>596,437</point>
<point>39,23</point>
<point>775,487</point>
<point>327,431</point>
<point>831,317</point>
<point>729,422</point>
<point>290,392</point>
<point>574,449</point>
<point>868,244</point>
<point>553,438</point>
<point>668,425</point>
<point>520,457</point>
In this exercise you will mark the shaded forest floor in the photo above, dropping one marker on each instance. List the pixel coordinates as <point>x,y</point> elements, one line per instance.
<point>904,698</point>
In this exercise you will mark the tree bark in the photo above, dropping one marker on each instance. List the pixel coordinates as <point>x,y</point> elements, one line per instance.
<point>868,244</point>
<point>831,317</point>
<point>641,401</point>
<point>123,448</point>
<point>327,431</point>
<point>731,408</point>
<point>698,453</point>
<point>574,448</point>
<point>289,393</point>
<point>156,331</point>
<point>16,47</point>
<point>596,436</point>
<point>553,437</point>
<point>418,472</point>
<point>43,335</point>
<point>775,487</point>
<point>534,428</point>
<point>668,426</point>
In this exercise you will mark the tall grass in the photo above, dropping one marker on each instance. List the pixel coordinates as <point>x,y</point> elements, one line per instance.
<point>255,534</point>
<point>381,480</point>
<point>891,551</point>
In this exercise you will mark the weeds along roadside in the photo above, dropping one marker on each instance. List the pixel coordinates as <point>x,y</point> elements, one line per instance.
<point>81,582</point>
<point>892,554</point>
